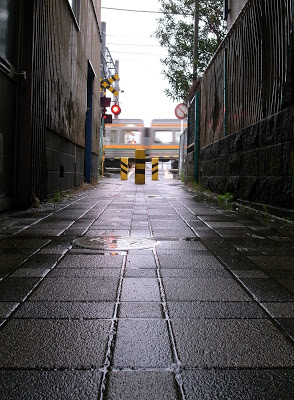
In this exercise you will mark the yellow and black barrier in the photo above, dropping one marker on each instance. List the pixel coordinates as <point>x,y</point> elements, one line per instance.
<point>124,168</point>
<point>155,169</point>
<point>139,166</point>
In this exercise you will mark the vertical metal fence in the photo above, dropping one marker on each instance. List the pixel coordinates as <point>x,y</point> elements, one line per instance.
<point>247,78</point>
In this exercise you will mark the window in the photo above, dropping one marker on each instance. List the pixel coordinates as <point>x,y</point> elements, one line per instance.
<point>177,136</point>
<point>8,30</point>
<point>75,6</point>
<point>163,137</point>
<point>113,136</point>
<point>132,136</point>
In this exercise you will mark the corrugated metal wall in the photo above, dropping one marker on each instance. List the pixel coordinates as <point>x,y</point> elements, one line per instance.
<point>258,50</point>
<point>40,71</point>
<point>62,49</point>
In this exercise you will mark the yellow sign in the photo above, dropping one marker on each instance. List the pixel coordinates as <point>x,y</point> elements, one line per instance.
<point>106,84</point>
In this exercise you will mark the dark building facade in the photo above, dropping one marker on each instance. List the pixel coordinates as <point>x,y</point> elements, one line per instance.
<point>49,103</point>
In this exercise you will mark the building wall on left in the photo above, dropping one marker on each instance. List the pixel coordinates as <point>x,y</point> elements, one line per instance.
<point>58,48</point>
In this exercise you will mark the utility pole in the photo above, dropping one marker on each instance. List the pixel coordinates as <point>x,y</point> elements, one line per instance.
<point>195,45</point>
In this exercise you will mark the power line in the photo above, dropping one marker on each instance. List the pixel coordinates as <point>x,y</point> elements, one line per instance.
<point>139,11</point>
<point>142,11</point>
<point>133,44</point>
<point>146,54</point>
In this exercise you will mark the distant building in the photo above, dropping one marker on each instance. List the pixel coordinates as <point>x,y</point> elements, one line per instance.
<point>50,93</point>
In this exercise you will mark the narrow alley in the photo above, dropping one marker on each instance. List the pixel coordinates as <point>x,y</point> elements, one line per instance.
<point>128,291</point>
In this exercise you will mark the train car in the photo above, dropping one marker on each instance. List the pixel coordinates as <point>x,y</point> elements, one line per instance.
<point>124,136</point>
<point>164,138</point>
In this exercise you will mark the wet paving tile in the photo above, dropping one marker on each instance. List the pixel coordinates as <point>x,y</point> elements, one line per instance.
<point>188,260</point>
<point>17,289</point>
<point>140,289</point>
<point>30,272</point>
<point>73,289</point>
<point>288,325</point>
<point>258,246</point>
<point>140,273</point>
<point>229,343</point>
<point>140,310</point>
<point>217,245</point>
<point>23,243</point>
<point>280,309</point>
<point>215,310</point>
<point>53,385</point>
<point>274,262</point>
<point>44,231</point>
<point>85,272</point>
<point>267,290</point>
<point>91,261</point>
<point>72,344</point>
<point>174,243</point>
<point>224,224</point>
<point>143,385</point>
<point>142,344</point>
<point>11,261</point>
<point>271,384</point>
<point>6,308</point>
<point>47,261</point>
<point>65,310</point>
<point>205,233</point>
<point>195,273</point>
<point>140,261</point>
<point>232,233</point>
<point>288,284</point>
<point>239,262</point>
<point>203,289</point>
<point>249,273</point>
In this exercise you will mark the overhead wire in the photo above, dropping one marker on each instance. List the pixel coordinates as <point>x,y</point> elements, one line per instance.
<point>142,11</point>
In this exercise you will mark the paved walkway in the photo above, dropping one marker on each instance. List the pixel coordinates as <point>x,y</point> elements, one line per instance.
<point>180,300</point>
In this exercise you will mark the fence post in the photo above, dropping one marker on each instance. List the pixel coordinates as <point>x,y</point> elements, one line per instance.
<point>140,166</point>
<point>155,169</point>
<point>124,169</point>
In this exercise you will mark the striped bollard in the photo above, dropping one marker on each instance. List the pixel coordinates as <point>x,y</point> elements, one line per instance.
<point>155,169</point>
<point>124,168</point>
<point>139,166</point>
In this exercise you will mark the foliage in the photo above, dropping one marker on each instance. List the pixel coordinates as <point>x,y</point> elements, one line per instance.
<point>56,197</point>
<point>225,199</point>
<point>175,32</point>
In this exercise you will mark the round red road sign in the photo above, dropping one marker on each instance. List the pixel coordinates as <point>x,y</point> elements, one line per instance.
<point>181,111</point>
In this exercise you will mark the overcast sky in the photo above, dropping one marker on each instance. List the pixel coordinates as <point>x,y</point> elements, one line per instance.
<point>129,41</point>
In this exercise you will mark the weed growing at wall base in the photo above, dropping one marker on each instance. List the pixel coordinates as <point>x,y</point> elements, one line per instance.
<point>225,199</point>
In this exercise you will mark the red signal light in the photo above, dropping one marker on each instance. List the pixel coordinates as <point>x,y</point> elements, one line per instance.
<point>115,109</point>
<point>107,118</point>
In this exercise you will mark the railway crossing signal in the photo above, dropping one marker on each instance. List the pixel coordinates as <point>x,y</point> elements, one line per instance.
<point>106,84</point>
<point>115,109</point>
<point>107,118</point>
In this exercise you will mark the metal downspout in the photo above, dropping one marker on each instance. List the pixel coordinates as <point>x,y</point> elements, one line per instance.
<point>197,136</point>
<point>226,93</point>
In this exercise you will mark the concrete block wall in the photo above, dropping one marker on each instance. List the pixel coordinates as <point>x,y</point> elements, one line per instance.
<point>65,163</point>
<point>255,164</point>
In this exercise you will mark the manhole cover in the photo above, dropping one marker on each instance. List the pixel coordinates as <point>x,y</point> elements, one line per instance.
<point>115,243</point>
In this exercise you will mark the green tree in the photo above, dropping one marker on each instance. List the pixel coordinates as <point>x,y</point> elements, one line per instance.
<point>175,32</point>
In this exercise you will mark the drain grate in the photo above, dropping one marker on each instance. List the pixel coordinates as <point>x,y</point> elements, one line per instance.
<point>115,243</point>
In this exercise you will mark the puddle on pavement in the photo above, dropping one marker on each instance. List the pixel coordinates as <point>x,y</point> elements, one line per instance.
<point>115,243</point>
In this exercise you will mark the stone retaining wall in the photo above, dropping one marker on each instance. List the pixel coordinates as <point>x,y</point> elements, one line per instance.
<point>255,164</point>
